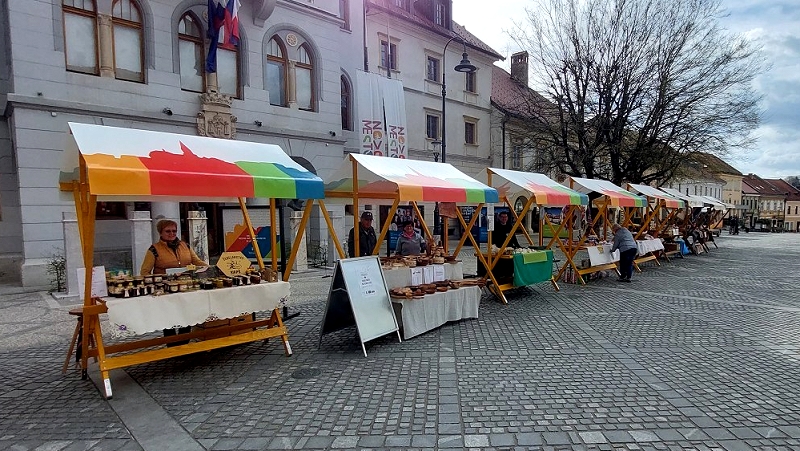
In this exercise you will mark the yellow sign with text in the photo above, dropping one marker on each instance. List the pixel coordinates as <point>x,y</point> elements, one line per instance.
<point>233,263</point>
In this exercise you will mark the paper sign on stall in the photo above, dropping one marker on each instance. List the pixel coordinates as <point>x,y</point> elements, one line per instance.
<point>233,263</point>
<point>427,274</point>
<point>438,273</point>
<point>99,285</point>
<point>416,276</point>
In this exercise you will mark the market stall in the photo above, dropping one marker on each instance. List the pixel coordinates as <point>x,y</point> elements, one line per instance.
<point>529,267</point>
<point>660,212</point>
<point>392,181</point>
<point>118,164</point>
<point>609,196</point>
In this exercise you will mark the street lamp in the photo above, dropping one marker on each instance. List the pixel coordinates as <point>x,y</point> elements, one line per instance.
<point>464,66</point>
<point>436,150</point>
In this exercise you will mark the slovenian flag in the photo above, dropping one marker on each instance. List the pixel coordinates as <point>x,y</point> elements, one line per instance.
<point>216,19</point>
<point>232,23</point>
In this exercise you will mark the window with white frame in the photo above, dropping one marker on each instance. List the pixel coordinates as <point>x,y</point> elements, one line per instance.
<point>516,154</point>
<point>470,131</point>
<point>432,68</point>
<point>432,126</point>
<point>291,83</point>
<point>388,55</point>
<point>80,36</point>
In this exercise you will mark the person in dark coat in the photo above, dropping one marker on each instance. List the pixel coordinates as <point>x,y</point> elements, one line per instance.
<point>624,242</point>
<point>366,237</point>
<point>501,230</point>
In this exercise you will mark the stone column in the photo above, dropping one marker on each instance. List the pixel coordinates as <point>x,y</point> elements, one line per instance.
<point>301,260</point>
<point>198,234</point>
<point>164,210</point>
<point>291,81</point>
<point>72,251</point>
<point>105,31</point>
<point>141,237</point>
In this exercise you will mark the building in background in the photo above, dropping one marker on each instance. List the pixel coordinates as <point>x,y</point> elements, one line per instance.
<point>771,203</point>
<point>142,64</point>
<point>791,220</point>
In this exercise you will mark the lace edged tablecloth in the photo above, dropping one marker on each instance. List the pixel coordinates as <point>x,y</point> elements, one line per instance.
<point>143,314</point>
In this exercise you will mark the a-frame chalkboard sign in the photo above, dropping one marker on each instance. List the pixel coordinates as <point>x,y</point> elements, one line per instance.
<point>358,296</point>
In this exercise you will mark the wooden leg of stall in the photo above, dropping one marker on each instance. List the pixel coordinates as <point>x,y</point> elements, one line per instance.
<point>296,243</point>
<point>385,228</point>
<point>467,231</point>
<point>479,253</point>
<point>331,230</point>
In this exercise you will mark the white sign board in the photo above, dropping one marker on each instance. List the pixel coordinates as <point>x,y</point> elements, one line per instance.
<point>438,273</point>
<point>416,276</point>
<point>99,285</point>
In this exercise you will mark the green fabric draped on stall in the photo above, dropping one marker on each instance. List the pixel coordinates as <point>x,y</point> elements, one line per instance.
<point>532,267</point>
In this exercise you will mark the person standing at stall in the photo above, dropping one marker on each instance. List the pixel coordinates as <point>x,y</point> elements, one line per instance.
<point>169,252</point>
<point>367,239</point>
<point>501,230</point>
<point>624,242</point>
<point>410,242</point>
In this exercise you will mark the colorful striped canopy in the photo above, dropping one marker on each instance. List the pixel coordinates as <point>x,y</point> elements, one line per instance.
<point>655,193</point>
<point>617,196</point>
<point>142,164</point>
<point>407,180</point>
<point>546,191</point>
<point>692,201</point>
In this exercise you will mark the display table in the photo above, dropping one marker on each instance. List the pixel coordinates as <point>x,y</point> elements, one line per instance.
<point>600,259</point>
<point>417,316</point>
<point>401,277</point>
<point>143,314</point>
<point>532,267</point>
<point>648,251</point>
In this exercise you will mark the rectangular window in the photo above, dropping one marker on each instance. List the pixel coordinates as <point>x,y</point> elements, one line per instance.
<point>516,156</point>
<point>470,132</point>
<point>81,44</point>
<point>128,53</point>
<point>388,55</point>
<point>192,60</point>
<point>439,13</point>
<point>403,4</point>
<point>344,13</point>
<point>470,83</point>
<point>227,72</point>
<point>432,126</point>
<point>432,72</point>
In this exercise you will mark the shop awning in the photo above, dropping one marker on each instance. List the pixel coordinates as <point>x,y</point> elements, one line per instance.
<point>406,180</point>
<point>127,163</point>
<point>546,191</point>
<point>649,191</point>
<point>617,196</point>
<point>714,202</point>
<point>692,201</point>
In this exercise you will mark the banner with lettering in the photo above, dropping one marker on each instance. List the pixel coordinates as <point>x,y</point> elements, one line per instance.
<point>382,116</point>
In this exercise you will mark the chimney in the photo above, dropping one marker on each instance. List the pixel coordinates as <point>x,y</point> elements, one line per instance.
<point>519,67</point>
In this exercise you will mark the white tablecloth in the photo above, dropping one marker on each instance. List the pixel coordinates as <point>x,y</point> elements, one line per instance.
<point>602,255</point>
<point>401,277</point>
<point>646,246</point>
<point>139,315</point>
<point>417,316</point>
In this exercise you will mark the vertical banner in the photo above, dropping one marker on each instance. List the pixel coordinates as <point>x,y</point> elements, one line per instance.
<point>370,114</point>
<point>382,116</point>
<point>394,105</point>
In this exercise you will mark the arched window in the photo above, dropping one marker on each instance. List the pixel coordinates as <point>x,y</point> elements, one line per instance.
<point>192,56</point>
<point>80,36</point>
<point>347,107</point>
<point>276,72</point>
<point>304,74</point>
<point>126,19</point>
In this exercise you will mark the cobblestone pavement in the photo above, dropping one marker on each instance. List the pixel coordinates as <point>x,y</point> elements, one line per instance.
<point>701,353</point>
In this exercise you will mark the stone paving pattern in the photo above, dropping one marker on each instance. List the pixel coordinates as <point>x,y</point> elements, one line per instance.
<point>702,353</point>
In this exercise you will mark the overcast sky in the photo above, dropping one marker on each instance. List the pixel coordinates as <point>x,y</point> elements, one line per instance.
<point>774,24</point>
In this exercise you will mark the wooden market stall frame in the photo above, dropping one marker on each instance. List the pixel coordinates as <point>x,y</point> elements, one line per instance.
<point>541,191</point>
<point>85,199</point>
<point>657,201</point>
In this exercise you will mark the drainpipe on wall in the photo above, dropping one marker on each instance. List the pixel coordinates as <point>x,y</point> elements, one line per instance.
<point>503,128</point>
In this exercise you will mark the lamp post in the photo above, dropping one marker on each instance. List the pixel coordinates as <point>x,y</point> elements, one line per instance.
<point>436,226</point>
<point>465,67</point>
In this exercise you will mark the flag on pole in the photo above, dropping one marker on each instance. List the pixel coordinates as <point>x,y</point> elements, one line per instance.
<point>232,23</point>
<point>216,19</point>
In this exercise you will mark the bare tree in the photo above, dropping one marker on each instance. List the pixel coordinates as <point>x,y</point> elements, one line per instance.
<point>637,85</point>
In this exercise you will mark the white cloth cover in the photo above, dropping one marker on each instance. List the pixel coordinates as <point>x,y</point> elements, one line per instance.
<point>602,255</point>
<point>140,315</point>
<point>417,316</point>
<point>401,277</point>
<point>646,246</point>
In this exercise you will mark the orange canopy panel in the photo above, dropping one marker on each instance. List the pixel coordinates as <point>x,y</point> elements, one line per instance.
<point>407,180</point>
<point>129,163</point>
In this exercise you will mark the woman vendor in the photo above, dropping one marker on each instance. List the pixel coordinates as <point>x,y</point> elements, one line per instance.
<point>410,242</point>
<point>169,252</point>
